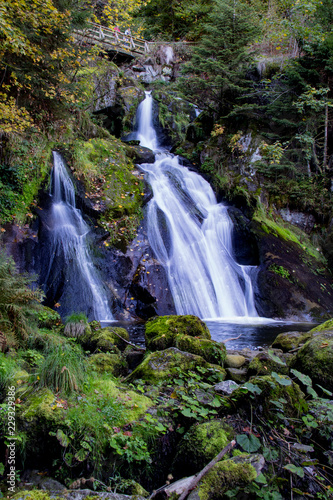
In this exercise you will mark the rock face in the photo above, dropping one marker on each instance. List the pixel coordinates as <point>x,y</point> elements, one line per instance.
<point>290,282</point>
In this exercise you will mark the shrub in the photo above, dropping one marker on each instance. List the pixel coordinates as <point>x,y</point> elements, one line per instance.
<point>63,368</point>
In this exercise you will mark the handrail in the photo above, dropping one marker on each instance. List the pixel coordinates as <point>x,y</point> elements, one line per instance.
<point>106,36</point>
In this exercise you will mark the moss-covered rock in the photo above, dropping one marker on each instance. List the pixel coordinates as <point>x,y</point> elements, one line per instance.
<point>108,362</point>
<point>163,365</point>
<point>161,332</point>
<point>48,318</point>
<point>327,325</point>
<point>263,364</point>
<point>223,476</point>
<point>290,340</point>
<point>211,351</point>
<point>108,339</point>
<point>275,397</point>
<point>200,445</point>
<point>315,358</point>
<point>39,404</point>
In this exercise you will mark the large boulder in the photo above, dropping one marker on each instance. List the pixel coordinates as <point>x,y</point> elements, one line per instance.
<point>161,332</point>
<point>162,365</point>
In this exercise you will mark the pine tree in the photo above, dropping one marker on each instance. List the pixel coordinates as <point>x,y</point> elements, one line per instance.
<point>216,74</point>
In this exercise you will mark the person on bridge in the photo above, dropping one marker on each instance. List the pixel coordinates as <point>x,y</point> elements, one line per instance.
<point>116,31</point>
<point>127,34</point>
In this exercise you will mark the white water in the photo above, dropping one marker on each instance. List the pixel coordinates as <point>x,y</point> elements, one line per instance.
<point>190,233</point>
<point>84,287</point>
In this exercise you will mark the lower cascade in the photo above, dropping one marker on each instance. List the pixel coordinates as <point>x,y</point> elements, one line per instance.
<point>81,288</point>
<point>190,234</point>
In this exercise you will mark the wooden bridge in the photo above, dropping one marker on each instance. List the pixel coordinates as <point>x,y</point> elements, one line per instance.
<point>112,40</point>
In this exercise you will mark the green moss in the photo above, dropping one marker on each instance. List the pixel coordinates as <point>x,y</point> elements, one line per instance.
<point>328,325</point>
<point>200,445</point>
<point>315,359</point>
<point>163,365</point>
<point>106,362</point>
<point>107,173</point>
<point>32,495</point>
<point>40,404</point>
<point>211,351</point>
<point>262,364</point>
<point>23,176</point>
<point>107,339</point>
<point>224,476</point>
<point>290,340</point>
<point>286,232</point>
<point>161,332</point>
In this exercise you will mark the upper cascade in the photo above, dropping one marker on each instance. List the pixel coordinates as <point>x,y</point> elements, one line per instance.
<point>190,234</point>
<point>146,132</point>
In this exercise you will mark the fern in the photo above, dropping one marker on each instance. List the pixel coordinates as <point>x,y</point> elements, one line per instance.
<point>17,301</point>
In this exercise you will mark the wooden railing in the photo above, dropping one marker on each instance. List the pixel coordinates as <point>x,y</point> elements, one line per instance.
<point>110,39</point>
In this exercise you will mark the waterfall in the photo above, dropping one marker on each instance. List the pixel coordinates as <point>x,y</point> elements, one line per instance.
<point>190,234</point>
<point>146,133</point>
<point>82,288</point>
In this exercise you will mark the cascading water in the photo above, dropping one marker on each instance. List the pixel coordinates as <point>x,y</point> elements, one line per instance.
<point>82,289</point>
<point>190,234</point>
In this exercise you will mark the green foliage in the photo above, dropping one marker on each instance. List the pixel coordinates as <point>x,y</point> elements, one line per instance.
<point>62,370</point>
<point>250,443</point>
<point>17,301</point>
<point>8,366</point>
<point>193,395</point>
<point>216,74</point>
<point>174,20</point>
<point>281,271</point>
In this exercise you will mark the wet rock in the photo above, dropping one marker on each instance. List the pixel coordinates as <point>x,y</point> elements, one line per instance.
<point>140,154</point>
<point>226,387</point>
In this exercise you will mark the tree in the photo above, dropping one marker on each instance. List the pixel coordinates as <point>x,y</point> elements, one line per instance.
<point>217,73</point>
<point>174,20</point>
<point>37,54</point>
